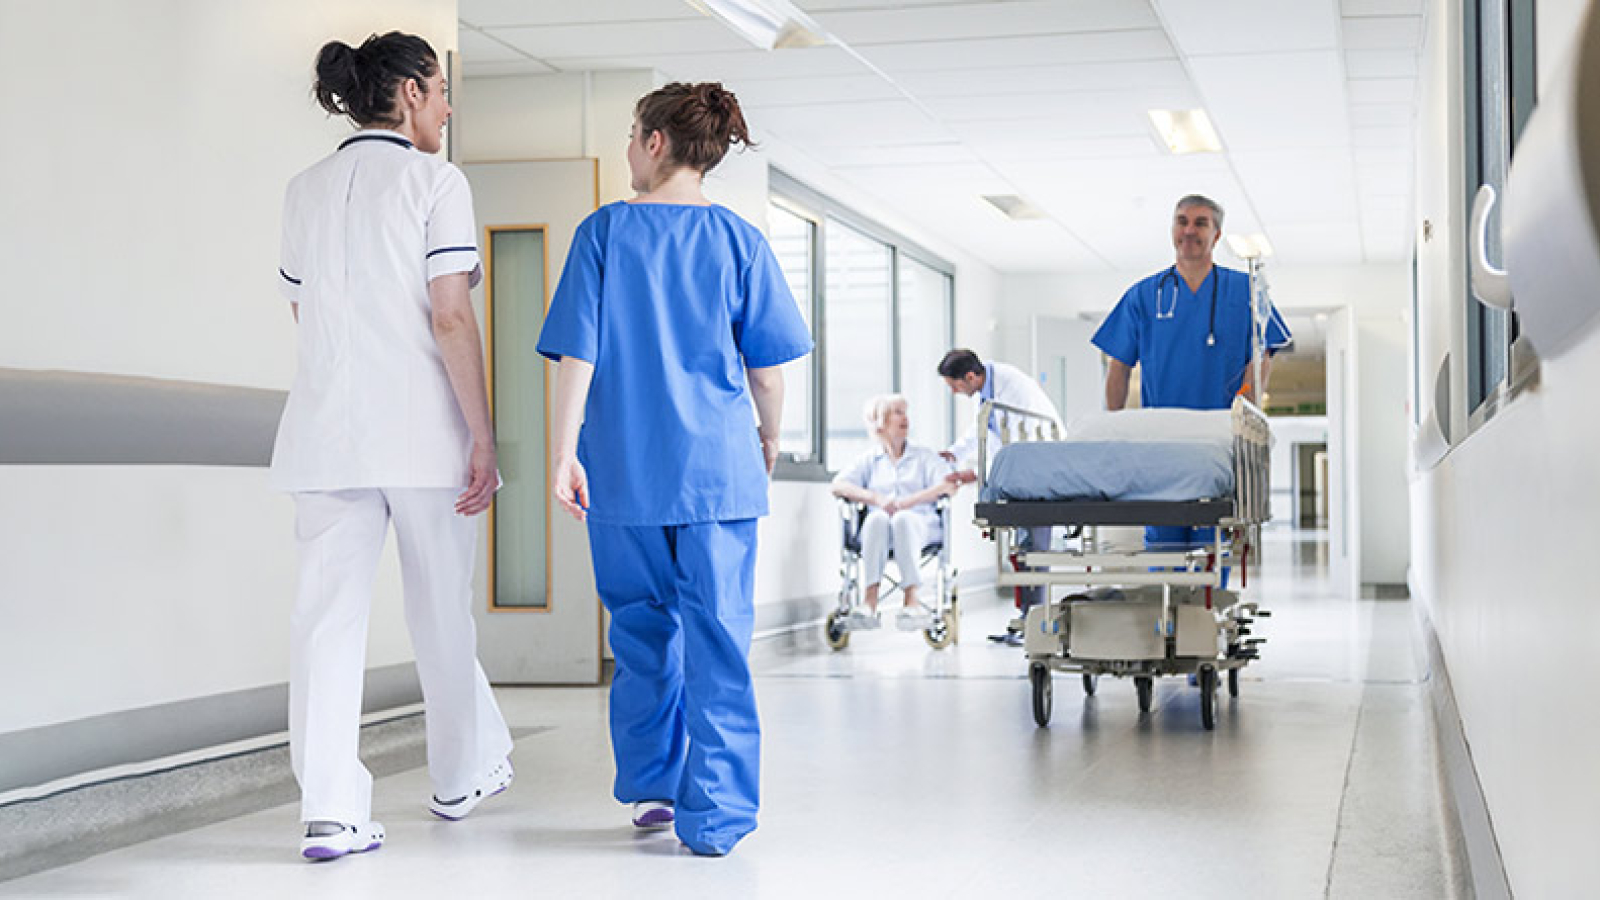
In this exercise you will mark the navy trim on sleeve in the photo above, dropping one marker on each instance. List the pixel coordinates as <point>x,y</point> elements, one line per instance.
<point>391,138</point>
<point>289,278</point>
<point>433,253</point>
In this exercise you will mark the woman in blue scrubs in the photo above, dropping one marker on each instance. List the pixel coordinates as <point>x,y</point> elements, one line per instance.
<point>668,306</point>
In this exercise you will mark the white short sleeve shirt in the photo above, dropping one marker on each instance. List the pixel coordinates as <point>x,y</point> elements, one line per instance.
<point>364,231</point>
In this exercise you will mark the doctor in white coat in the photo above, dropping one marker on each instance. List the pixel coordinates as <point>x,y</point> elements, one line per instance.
<point>387,422</point>
<point>970,376</point>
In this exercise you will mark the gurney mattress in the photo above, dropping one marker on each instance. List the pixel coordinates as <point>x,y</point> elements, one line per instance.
<point>1111,470</point>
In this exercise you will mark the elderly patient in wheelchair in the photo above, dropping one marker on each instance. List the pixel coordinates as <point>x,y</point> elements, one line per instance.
<point>898,489</point>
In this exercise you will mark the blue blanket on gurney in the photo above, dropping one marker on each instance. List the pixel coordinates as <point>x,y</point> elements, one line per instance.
<point>1110,470</point>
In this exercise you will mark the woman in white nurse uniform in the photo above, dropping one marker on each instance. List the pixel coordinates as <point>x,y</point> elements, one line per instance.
<point>387,421</point>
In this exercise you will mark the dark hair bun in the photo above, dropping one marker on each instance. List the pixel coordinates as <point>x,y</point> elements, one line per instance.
<point>701,121</point>
<point>361,82</point>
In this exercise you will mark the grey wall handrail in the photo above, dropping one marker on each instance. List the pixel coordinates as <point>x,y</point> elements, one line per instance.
<point>78,418</point>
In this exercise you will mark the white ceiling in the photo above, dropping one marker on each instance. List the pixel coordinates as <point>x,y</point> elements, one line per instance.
<point>929,104</point>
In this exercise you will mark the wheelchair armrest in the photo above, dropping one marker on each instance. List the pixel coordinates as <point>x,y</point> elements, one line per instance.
<point>851,514</point>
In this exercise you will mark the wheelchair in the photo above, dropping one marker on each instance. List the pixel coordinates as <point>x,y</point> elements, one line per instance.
<point>942,601</point>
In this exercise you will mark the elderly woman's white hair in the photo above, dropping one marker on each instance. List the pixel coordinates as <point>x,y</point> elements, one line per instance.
<point>876,410</point>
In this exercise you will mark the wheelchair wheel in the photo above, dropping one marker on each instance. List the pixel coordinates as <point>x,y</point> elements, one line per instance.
<point>1144,686</point>
<point>941,634</point>
<point>833,630</point>
<point>1039,676</point>
<point>1090,682</point>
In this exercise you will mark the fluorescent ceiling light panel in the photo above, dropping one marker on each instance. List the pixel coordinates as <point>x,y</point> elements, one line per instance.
<point>1014,207</point>
<point>1249,246</point>
<point>1185,131</point>
<point>769,24</point>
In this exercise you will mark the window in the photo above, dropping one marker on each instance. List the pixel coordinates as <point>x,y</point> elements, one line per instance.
<point>794,242</point>
<point>881,311</point>
<point>924,337</point>
<point>1499,78</point>
<point>859,341</point>
<point>519,520</point>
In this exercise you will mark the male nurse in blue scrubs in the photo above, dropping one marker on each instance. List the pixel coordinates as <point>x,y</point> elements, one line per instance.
<point>1189,327</point>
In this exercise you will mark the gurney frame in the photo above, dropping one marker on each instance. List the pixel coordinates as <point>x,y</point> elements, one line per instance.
<point>1172,615</point>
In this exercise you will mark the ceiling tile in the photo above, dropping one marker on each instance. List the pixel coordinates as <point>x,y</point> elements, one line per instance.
<point>1301,103</point>
<point>1109,123</point>
<point>1322,242</point>
<point>1381,115</point>
<point>1390,156</point>
<point>1299,186</point>
<point>477,47</point>
<point>1022,147</point>
<point>1381,7</point>
<point>817,89</point>
<point>1386,33</point>
<point>1382,90</point>
<point>1045,79</point>
<point>1380,63</point>
<point>485,13</point>
<point>1112,46</point>
<point>817,7</point>
<point>1084,108</point>
<point>870,123</point>
<point>966,21</point>
<point>504,69</point>
<point>1392,137</point>
<point>902,154</point>
<point>727,67</point>
<point>699,35</point>
<point>1249,26</point>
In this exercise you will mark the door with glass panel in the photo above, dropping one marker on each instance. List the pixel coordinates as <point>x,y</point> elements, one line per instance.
<point>537,611</point>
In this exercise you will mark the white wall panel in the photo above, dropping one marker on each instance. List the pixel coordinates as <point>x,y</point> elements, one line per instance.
<point>124,587</point>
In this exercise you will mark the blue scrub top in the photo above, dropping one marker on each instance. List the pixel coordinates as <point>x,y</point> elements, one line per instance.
<point>671,303</point>
<point>1161,323</point>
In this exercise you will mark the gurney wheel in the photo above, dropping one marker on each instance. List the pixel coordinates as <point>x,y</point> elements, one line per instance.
<point>1089,683</point>
<point>1039,675</point>
<point>1208,697</point>
<point>1233,682</point>
<point>1144,686</point>
<point>834,631</point>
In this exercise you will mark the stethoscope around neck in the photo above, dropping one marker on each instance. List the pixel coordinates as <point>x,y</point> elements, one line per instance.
<point>1170,276</point>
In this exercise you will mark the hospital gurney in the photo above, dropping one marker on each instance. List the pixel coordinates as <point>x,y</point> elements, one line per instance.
<point>1135,613</point>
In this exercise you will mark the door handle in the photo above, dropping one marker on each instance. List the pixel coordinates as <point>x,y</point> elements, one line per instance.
<point>1489,283</point>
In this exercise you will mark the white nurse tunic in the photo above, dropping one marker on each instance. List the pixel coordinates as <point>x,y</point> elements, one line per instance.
<point>364,231</point>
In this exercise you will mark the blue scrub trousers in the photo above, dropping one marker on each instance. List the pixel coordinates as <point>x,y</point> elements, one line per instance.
<point>683,709</point>
<point>1181,537</point>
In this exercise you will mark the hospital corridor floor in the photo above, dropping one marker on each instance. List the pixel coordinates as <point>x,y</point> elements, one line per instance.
<point>894,770</point>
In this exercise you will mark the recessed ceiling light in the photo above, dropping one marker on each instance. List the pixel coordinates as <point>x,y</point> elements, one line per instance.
<point>1185,131</point>
<point>769,24</point>
<point>1014,207</point>
<point>1249,246</point>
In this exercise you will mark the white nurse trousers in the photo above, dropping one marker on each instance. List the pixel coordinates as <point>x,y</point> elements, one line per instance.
<point>341,535</point>
<point>911,532</point>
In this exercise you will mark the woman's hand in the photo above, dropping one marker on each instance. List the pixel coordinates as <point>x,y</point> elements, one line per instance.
<point>892,505</point>
<point>769,451</point>
<point>483,480</point>
<point>571,486</point>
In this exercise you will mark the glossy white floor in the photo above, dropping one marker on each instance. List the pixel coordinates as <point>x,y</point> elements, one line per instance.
<point>892,770</point>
